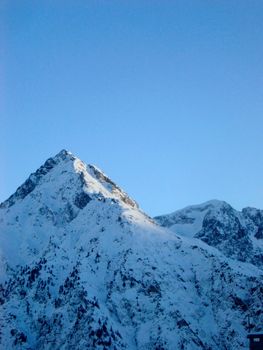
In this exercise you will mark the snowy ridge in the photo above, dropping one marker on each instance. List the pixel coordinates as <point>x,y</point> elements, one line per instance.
<point>83,268</point>
<point>90,175</point>
<point>189,220</point>
<point>237,234</point>
<point>29,185</point>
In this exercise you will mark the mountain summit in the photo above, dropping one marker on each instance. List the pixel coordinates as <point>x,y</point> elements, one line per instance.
<point>66,166</point>
<point>237,234</point>
<point>83,268</point>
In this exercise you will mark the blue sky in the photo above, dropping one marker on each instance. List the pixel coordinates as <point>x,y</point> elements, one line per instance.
<point>165,96</point>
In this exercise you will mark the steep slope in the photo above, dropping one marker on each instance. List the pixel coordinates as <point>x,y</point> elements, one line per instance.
<point>49,200</point>
<point>236,234</point>
<point>84,268</point>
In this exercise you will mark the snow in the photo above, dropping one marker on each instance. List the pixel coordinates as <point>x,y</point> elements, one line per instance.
<point>79,273</point>
<point>188,221</point>
<point>215,222</point>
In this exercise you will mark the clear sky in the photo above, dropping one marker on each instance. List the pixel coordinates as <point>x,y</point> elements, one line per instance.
<point>165,96</point>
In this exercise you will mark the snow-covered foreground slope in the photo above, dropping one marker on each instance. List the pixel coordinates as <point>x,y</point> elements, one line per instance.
<point>83,268</point>
<point>238,235</point>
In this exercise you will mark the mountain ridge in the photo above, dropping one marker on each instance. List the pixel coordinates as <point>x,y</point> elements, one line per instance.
<point>96,272</point>
<point>238,234</point>
<point>64,156</point>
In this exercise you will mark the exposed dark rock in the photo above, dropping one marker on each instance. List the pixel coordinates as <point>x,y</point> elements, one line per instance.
<point>82,199</point>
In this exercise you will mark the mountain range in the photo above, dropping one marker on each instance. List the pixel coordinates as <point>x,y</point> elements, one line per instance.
<point>82,267</point>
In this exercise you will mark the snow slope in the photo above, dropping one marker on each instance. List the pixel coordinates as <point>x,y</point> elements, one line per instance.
<point>83,268</point>
<point>238,235</point>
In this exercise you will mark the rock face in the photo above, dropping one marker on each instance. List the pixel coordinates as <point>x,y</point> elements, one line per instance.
<point>239,235</point>
<point>83,268</point>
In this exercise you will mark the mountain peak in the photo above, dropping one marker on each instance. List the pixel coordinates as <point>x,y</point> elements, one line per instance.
<point>88,178</point>
<point>29,185</point>
<point>63,154</point>
<point>236,234</point>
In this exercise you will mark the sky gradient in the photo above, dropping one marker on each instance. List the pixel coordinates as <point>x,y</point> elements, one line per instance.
<point>165,96</point>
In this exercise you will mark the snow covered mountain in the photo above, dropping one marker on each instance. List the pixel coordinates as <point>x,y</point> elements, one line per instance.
<point>238,235</point>
<point>83,268</point>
